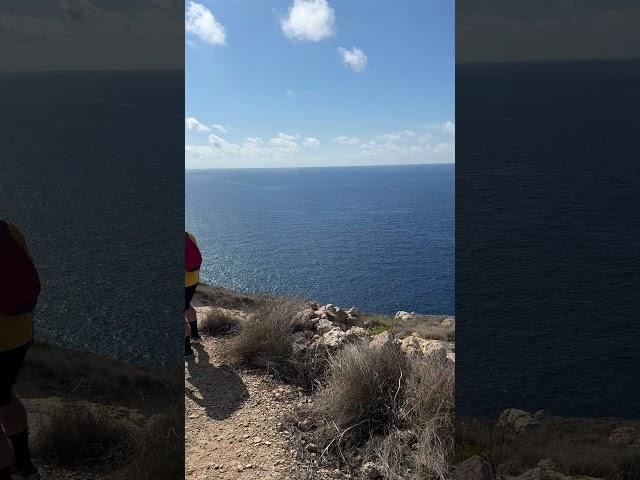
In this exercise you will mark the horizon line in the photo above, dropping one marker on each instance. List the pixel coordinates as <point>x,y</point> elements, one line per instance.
<point>323,166</point>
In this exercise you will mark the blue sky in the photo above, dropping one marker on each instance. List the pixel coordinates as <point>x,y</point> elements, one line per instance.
<point>289,83</point>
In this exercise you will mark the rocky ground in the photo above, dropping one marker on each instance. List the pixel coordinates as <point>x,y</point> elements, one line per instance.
<point>234,421</point>
<point>238,421</point>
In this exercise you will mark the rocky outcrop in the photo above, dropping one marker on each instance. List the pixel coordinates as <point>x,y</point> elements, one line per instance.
<point>434,350</point>
<point>403,316</point>
<point>381,340</point>
<point>518,420</point>
<point>331,327</point>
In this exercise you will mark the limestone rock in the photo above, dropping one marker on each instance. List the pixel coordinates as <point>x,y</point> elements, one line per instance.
<point>323,326</point>
<point>404,316</point>
<point>356,333</point>
<point>518,420</point>
<point>435,350</point>
<point>448,322</point>
<point>474,468</point>
<point>381,340</point>
<point>340,315</point>
<point>334,338</point>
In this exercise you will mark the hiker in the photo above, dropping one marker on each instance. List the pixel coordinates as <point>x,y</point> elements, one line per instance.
<point>19,290</point>
<point>192,262</point>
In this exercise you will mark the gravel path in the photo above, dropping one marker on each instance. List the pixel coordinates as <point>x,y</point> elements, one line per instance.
<point>233,421</point>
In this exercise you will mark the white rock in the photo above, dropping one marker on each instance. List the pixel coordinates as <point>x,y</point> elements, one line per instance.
<point>448,322</point>
<point>334,338</point>
<point>323,326</point>
<point>403,316</point>
<point>381,340</point>
<point>518,420</point>
<point>435,350</point>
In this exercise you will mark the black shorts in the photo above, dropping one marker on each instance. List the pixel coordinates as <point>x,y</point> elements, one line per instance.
<point>188,296</point>
<point>11,363</point>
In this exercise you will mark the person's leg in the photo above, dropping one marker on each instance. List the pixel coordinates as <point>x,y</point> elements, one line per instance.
<point>14,421</point>
<point>191,312</point>
<point>192,320</point>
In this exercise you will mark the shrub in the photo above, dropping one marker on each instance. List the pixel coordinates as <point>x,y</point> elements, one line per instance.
<point>359,396</point>
<point>379,404</point>
<point>378,329</point>
<point>219,322</point>
<point>77,436</point>
<point>266,338</point>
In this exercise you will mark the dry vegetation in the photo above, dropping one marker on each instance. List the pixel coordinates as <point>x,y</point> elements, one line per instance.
<point>375,404</point>
<point>103,417</point>
<point>219,322</point>
<point>266,339</point>
<point>427,326</point>
<point>576,446</point>
<point>367,404</point>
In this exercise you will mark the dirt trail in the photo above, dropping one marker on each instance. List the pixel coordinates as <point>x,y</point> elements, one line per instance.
<point>232,420</point>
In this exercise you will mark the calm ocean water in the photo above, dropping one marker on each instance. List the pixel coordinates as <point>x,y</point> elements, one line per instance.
<point>547,244</point>
<point>379,238</point>
<point>86,179</point>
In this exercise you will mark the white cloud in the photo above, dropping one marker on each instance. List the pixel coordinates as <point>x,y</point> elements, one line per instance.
<point>355,58</point>
<point>446,127</point>
<point>193,124</point>
<point>346,140</point>
<point>220,142</point>
<point>310,20</point>
<point>284,141</point>
<point>201,22</point>
<point>401,135</point>
<point>408,146</point>
<point>221,128</point>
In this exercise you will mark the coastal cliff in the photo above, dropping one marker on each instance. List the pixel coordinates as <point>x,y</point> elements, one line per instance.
<point>287,388</point>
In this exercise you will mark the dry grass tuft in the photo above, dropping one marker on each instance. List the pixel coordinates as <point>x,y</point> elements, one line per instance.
<point>377,404</point>
<point>265,340</point>
<point>219,322</point>
<point>77,436</point>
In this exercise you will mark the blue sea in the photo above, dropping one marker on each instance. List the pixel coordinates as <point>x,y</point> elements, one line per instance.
<point>378,238</point>
<point>91,172</point>
<point>547,238</point>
